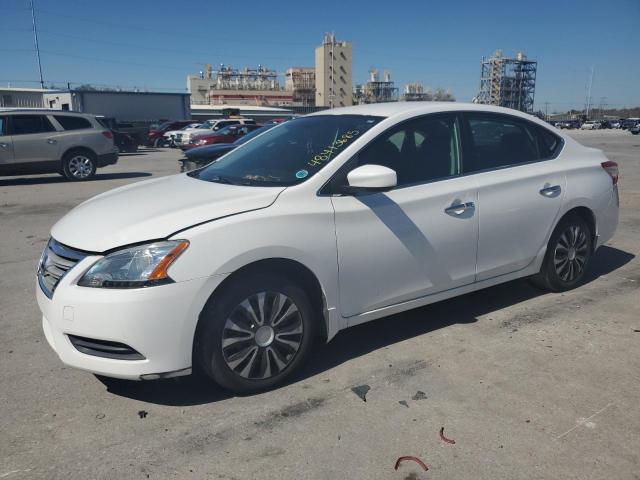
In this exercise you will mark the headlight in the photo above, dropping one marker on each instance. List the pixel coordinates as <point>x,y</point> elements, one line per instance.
<point>135,267</point>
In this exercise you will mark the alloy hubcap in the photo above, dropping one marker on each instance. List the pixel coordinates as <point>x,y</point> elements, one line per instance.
<point>570,255</point>
<point>262,335</point>
<point>80,166</point>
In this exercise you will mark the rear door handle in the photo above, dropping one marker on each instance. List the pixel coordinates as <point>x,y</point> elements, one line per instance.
<point>3,145</point>
<point>551,191</point>
<point>459,208</point>
<point>51,141</point>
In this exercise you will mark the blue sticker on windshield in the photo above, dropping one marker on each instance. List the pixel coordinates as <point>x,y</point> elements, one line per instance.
<point>301,173</point>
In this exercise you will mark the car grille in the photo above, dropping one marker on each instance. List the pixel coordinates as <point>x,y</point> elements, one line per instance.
<point>55,262</point>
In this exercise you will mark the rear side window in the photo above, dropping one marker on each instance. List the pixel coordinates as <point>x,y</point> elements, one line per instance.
<point>72,123</point>
<point>496,141</point>
<point>3,126</point>
<point>25,124</point>
<point>549,143</point>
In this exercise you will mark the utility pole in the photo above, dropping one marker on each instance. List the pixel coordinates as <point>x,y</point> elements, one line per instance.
<point>588,99</point>
<point>546,110</point>
<point>35,39</point>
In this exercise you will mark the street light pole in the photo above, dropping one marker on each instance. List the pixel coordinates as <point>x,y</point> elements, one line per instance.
<point>35,39</point>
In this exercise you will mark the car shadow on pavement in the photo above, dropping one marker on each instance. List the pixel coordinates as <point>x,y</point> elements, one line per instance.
<point>363,339</point>
<point>60,179</point>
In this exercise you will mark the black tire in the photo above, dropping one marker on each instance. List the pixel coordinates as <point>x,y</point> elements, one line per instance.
<point>79,165</point>
<point>158,142</point>
<point>560,271</point>
<point>262,369</point>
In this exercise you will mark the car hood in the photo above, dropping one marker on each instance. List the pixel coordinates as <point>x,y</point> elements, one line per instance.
<point>209,150</point>
<point>155,209</point>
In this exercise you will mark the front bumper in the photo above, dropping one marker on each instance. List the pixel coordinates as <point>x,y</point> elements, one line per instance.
<point>158,322</point>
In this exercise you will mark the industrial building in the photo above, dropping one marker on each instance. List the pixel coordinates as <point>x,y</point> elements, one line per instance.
<point>376,90</point>
<point>11,97</point>
<point>228,85</point>
<point>334,73</point>
<point>508,82</point>
<point>301,83</point>
<point>123,105</point>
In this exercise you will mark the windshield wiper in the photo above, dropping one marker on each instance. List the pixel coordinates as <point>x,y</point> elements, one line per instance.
<point>219,179</point>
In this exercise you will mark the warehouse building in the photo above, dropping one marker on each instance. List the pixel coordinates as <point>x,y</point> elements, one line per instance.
<point>21,97</point>
<point>123,105</point>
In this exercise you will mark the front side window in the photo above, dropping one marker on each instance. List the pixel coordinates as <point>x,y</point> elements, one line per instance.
<point>498,141</point>
<point>290,153</point>
<point>72,123</point>
<point>420,150</point>
<point>25,124</point>
<point>3,126</point>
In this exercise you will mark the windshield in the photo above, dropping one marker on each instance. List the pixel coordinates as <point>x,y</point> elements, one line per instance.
<point>289,154</point>
<point>208,124</point>
<point>250,135</point>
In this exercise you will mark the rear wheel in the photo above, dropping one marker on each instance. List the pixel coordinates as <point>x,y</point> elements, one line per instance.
<point>78,166</point>
<point>256,333</point>
<point>568,255</point>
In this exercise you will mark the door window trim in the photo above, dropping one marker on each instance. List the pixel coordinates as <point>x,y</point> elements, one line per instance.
<point>326,190</point>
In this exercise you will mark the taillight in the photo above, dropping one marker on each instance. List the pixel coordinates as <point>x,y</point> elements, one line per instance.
<point>612,169</point>
<point>108,134</point>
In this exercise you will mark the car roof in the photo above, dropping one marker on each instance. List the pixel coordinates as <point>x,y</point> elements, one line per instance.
<point>392,109</point>
<point>44,111</point>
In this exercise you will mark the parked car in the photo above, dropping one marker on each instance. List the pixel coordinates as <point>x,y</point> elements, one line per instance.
<point>616,124</point>
<point>169,138</point>
<point>124,142</point>
<point>324,222</point>
<point>51,141</point>
<point>209,126</point>
<point>590,125</point>
<point>155,135</point>
<point>568,124</point>
<point>225,135</point>
<point>635,130</point>
<point>136,131</point>
<point>201,156</point>
<point>605,124</point>
<point>630,123</point>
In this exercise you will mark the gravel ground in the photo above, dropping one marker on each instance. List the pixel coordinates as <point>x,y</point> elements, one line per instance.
<point>530,385</point>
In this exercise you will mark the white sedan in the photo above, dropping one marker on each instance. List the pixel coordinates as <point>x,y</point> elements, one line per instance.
<point>590,126</point>
<point>321,223</point>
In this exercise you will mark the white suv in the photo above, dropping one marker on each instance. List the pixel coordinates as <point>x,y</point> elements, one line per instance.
<point>52,141</point>
<point>320,223</point>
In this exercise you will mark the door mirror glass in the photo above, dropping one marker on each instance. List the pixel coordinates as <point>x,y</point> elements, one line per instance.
<point>373,178</point>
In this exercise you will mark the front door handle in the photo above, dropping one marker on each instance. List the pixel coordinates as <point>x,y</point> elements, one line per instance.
<point>551,191</point>
<point>3,145</point>
<point>51,141</point>
<point>459,208</point>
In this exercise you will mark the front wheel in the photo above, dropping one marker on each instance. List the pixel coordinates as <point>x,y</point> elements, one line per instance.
<point>567,257</point>
<point>78,166</point>
<point>256,333</point>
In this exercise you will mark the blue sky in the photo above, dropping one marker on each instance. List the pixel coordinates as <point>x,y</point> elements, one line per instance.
<point>155,44</point>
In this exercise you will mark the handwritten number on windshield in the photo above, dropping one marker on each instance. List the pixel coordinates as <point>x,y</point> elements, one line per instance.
<point>331,149</point>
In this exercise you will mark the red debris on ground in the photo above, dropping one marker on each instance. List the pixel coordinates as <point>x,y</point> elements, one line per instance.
<point>413,459</point>
<point>445,439</point>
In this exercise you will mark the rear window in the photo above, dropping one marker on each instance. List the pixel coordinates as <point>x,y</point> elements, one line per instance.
<point>72,123</point>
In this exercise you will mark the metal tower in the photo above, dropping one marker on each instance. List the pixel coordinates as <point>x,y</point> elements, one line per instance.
<point>508,82</point>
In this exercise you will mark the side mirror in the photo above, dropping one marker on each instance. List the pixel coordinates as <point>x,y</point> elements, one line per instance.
<point>371,178</point>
